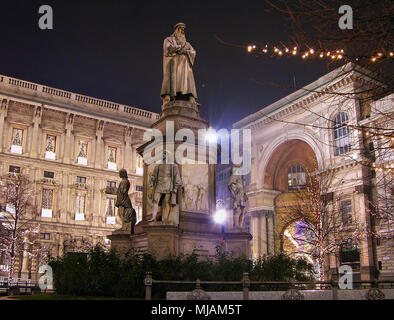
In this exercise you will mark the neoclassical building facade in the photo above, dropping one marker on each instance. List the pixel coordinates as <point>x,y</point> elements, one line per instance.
<point>71,147</point>
<point>324,129</point>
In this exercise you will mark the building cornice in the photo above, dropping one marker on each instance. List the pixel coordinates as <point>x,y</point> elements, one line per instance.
<point>303,97</point>
<point>61,166</point>
<point>75,103</point>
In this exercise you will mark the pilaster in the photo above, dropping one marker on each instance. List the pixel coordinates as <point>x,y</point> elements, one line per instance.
<point>3,116</point>
<point>68,139</point>
<point>98,158</point>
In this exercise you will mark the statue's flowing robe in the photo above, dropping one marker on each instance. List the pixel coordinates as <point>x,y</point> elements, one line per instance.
<point>236,188</point>
<point>177,69</point>
<point>123,200</point>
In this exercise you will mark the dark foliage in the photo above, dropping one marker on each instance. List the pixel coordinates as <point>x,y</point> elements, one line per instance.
<point>101,273</point>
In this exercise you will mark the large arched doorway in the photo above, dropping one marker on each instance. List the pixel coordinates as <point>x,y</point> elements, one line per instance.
<point>287,172</point>
<point>289,154</point>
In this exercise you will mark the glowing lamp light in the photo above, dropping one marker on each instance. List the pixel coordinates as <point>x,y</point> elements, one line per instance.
<point>211,136</point>
<point>220,216</point>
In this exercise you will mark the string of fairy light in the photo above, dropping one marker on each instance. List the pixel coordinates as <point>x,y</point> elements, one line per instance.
<point>310,52</point>
<point>385,165</point>
<point>338,54</point>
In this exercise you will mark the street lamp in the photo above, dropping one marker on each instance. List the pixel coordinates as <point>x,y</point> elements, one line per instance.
<point>220,216</point>
<point>211,136</point>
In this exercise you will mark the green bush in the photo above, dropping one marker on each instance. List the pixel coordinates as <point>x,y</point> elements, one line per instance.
<point>100,273</point>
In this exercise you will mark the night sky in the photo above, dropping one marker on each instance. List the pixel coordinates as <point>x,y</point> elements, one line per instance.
<point>113,50</point>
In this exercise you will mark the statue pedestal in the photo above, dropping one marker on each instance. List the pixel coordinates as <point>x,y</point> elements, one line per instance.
<point>237,242</point>
<point>193,229</point>
<point>163,239</point>
<point>121,241</point>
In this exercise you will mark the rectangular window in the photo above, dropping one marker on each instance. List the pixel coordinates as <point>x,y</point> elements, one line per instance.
<point>81,179</point>
<point>112,158</point>
<point>50,148</point>
<point>110,211</point>
<point>346,211</point>
<point>80,207</point>
<point>16,145</point>
<point>111,184</point>
<point>45,236</point>
<point>14,169</point>
<point>139,188</point>
<point>47,199</point>
<point>49,174</point>
<point>341,134</point>
<point>139,165</point>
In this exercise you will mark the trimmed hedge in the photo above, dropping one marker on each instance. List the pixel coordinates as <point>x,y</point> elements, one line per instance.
<point>101,273</point>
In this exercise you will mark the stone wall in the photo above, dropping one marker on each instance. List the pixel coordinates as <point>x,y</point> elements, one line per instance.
<point>385,257</point>
<point>84,131</point>
<point>276,295</point>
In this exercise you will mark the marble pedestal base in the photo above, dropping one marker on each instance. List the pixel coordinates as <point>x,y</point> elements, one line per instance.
<point>121,241</point>
<point>162,240</point>
<point>237,242</point>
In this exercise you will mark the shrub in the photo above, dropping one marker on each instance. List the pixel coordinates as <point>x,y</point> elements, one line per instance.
<point>100,273</point>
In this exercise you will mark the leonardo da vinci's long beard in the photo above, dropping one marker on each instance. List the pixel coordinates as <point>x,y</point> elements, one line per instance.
<point>180,39</point>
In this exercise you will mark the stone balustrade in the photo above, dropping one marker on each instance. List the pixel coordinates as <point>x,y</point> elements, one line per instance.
<point>13,85</point>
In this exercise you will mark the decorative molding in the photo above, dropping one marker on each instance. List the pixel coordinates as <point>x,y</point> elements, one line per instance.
<point>364,189</point>
<point>30,89</point>
<point>259,213</point>
<point>293,108</point>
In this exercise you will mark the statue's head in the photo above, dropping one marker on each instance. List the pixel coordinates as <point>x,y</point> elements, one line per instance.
<point>180,25</point>
<point>236,169</point>
<point>166,156</point>
<point>179,30</point>
<point>123,173</point>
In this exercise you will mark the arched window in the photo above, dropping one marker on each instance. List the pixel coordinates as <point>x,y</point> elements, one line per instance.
<point>341,134</point>
<point>296,177</point>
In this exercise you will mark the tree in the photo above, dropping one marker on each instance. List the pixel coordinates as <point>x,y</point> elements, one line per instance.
<point>318,24</point>
<point>315,224</point>
<point>368,42</point>
<point>19,231</point>
<point>363,103</point>
<point>381,148</point>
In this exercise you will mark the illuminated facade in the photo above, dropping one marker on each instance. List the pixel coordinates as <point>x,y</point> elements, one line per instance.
<point>71,147</point>
<point>317,130</point>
